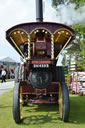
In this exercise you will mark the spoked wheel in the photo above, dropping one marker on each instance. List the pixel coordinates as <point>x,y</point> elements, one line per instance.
<point>64,102</point>
<point>17,103</point>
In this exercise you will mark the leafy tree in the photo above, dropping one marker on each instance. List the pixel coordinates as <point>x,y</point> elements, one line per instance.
<point>78,3</point>
<point>82,53</point>
<point>77,48</point>
<point>55,3</point>
<point>74,49</point>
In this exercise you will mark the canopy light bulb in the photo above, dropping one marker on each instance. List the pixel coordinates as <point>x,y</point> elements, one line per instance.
<point>37,30</point>
<point>66,33</point>
<point>62,31</point>
<point>46,32</point>
<point>18,32</point>
<point>14,33</point>
<point>43,30</point>
<point>22,33</point>
<point>59,32</point>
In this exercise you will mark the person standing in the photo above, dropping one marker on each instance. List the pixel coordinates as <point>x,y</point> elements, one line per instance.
<point>3,75</point>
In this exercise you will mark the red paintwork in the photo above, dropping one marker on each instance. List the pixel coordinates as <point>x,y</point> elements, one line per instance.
<point>42,96</point>
<point>41,62</point>
<point>53,88</point>
<point>27,89</point>
<point>43,101</point>
<point>41,91</point>
<point>41,46</point>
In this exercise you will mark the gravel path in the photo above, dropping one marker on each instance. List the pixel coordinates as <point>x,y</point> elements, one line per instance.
<point>6,86</point>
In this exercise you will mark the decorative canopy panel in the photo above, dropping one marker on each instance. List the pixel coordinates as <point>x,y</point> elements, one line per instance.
<point>61,36</point>
<point>18,35</point>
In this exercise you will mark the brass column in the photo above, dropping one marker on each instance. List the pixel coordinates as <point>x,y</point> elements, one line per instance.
<point>52,46</point>
<point>29,52</point>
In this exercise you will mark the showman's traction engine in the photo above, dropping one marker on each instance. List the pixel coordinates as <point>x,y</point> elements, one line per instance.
<point>39,80</point>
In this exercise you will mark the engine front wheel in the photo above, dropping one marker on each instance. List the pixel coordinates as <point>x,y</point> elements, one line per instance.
<point>64,102</point>
<point>17,103</point>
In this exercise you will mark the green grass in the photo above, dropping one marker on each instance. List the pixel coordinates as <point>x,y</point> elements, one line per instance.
<point>42,116</point>
<point>7,79</point>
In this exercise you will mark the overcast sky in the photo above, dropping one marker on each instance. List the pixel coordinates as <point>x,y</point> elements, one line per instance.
<point>13,12</point>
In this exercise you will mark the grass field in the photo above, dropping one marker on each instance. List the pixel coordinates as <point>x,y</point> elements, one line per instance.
<point>7,80</point>
<point>42,116</point>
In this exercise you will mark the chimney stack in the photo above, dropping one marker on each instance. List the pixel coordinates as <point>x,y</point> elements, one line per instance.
<point>39,11</point>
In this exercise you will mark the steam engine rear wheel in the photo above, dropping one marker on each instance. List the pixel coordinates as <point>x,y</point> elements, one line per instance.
<point>63,94</point>
<point>17,103</point>
<point>64,102</point>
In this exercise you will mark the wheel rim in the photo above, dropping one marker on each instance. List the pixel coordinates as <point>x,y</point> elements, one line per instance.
<point>21,102</point>
<point>60,102</point>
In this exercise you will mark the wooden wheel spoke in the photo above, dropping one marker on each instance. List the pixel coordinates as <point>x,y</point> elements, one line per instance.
<point>64,102</point>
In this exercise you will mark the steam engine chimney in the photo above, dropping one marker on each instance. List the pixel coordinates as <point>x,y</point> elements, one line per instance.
<point>39,11</point>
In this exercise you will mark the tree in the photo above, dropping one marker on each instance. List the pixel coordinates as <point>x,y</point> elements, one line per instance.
<point>81,30</point>
<point>78,3</point>
<point>77,48</point>
<point>55,3</point>
<point>64,60</point>
<point>74,49</point>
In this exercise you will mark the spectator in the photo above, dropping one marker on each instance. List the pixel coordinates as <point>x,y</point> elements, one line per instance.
<point>3,75</point>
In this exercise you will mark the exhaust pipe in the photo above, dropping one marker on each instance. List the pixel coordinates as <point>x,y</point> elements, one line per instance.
<point>39,11</point>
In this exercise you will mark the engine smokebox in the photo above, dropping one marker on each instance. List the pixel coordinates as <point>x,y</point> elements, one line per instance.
<point>40,79</point>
